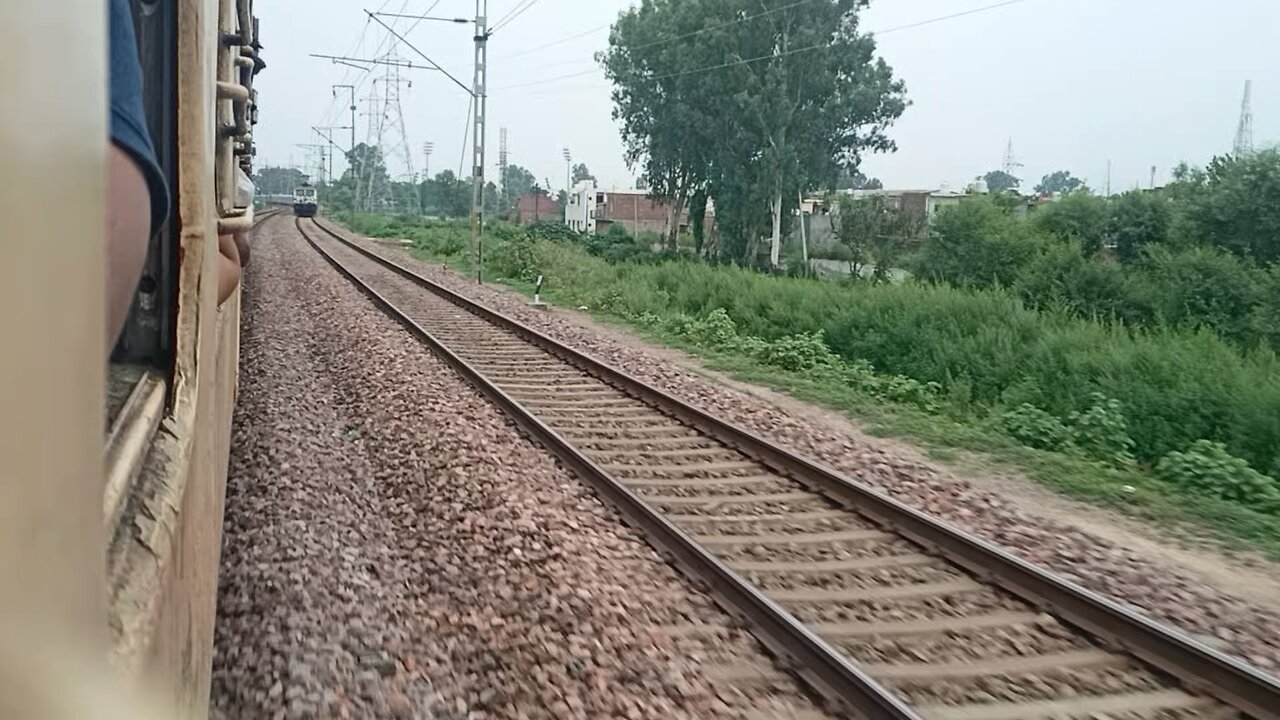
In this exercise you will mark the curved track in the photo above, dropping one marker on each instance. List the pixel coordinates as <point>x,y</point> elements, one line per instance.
<point>882,609</point>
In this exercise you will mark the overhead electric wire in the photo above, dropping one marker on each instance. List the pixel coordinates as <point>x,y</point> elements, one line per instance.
<point>670,39</point>
<point>962,13</point>
<point>794,51</point>
<point>466,133</point>
<point>561,41</point>
<point>423,55</point>
<point>512,16</point>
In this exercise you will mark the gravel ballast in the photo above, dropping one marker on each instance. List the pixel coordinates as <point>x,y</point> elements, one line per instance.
<point>1212,614</point>
<point>393,547</point>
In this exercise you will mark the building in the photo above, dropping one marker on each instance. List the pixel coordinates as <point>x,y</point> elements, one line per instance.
<point>591,210</point>
<point>919,205</point>
<point>634,211</point>
<point>580,211</point>
<point>532,208</point>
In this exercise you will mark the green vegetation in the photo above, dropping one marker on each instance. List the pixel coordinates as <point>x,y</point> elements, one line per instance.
<point>800,119</point>
<point>1086,407</point>
<point>1198,254</point>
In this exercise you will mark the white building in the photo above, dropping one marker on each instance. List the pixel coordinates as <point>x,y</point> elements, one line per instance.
<point>580,210</point>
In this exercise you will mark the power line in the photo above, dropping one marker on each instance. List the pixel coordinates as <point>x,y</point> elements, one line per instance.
<point>670,39</point>
<point>771,56</point>
<point>517,7</point>
<point>962,13</point>
<point>421,54</point>
<point>561,41</point>
<point>512,16</point>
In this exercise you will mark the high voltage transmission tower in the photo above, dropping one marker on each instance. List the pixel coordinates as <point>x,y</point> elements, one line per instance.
<point>1011,163</point>
<point>392,138</point>
<point>1244,131</point>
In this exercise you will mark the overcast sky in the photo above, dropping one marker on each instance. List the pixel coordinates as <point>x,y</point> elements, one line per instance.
<point>1073,83</point>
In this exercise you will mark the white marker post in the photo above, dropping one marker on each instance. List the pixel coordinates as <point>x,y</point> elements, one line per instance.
<point>537,295</point>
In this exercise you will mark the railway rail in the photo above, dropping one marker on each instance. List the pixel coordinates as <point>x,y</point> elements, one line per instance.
<point>881,609</point>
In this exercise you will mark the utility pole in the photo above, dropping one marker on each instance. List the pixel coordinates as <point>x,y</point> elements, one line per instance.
<point>427,149</point>
<point>1108,177</point>
<point>503,158</point>
<point>352,127</point>
<point>480,92</point>
<point>355,200</point>
<point>568,173</point>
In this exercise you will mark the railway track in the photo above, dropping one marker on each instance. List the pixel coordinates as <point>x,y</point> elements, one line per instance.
<point>884,611</point>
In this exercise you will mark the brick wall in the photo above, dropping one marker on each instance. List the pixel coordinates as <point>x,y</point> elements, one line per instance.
<point>532,208</point>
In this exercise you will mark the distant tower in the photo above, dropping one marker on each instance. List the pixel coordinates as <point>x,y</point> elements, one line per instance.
<point>393,135</point>
<point>427,149</point>
<point>1244,133</point>
<point>502,156</point>
<point>1011,163</point>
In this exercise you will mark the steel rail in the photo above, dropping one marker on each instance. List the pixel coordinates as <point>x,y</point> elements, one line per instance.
<point>818,664</point>
<point>1197,666</point>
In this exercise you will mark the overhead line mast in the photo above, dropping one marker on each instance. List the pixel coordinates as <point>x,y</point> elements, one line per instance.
<point>479,92</point>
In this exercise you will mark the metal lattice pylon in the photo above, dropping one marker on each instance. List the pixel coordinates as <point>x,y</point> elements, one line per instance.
<point>1244,131</point>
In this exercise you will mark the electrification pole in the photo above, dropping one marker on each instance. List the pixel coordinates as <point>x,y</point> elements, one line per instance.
<point>568,174</point>
<point>355,203</point>
<point>479,91</point>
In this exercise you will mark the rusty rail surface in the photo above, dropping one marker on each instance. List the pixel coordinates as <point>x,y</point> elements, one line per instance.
<point>1197,666</point>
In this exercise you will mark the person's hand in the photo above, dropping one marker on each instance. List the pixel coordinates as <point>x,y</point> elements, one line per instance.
<point>242,246</point>
<point>228,267</point>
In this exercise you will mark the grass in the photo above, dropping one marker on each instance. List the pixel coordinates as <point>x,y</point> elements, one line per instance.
<point>945,363</point>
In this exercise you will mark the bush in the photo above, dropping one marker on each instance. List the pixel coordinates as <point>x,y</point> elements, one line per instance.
<point>1201,287</point>
<point>1063,277</point>
<point>1078,217</point>
<point>799,353</point>
<point>1235,205</point>
<point>1138,220</point>
<point>1036,428</point>
<point>976,244</point>
<point>513,255</point>
<point>1208,469</point>
<point>552,230</point>
<point>1102,433</point>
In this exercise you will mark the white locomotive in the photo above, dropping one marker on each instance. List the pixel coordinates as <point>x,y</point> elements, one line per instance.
<point>304,201</point>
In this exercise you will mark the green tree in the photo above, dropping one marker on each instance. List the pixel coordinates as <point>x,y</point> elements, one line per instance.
<point>999,181</point>
<point>855,180</point>
<point>580,173</point>
<point>1059,181</point>
<point>278,180</point>
<point>1236,206</point>
<point>367,171</point>
<point>799,115</point>
<point>1137,219</point>
<point>448,195</point>
<point>1080,217</point>
<point>873,232</point>
<point>515,184</point>
<point>976,244</point>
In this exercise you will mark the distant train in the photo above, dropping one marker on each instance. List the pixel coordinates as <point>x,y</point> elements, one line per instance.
<point>304,201</point>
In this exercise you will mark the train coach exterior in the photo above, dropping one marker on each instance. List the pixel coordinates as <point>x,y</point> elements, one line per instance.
<point>78,637</point>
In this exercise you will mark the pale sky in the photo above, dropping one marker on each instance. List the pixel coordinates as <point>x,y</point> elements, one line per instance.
<point>1073,83</point>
